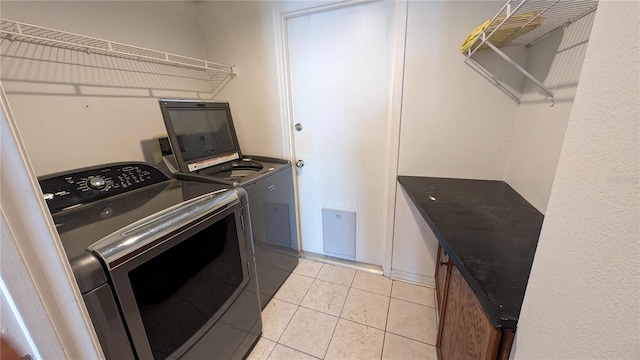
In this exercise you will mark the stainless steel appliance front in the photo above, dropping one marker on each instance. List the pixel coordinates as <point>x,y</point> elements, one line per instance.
<point>176,281</point>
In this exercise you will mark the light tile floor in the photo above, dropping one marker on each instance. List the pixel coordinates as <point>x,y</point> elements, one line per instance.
<point>325,311</point>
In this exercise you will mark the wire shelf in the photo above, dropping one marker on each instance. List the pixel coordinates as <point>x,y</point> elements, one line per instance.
<point>523,22</point>
<point>218,74</point>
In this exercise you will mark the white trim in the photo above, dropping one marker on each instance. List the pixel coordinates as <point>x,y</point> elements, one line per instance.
<point>413,278</point>
<point>282,74</point>
<point>286,125</point>
<point>331,5</point>
<point>393,131</point>
<point>39,279</point>
<point>327,259</point>
<point>280,18</point>
<point>14,326</point>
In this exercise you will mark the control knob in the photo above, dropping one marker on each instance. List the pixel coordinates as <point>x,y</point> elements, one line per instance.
<point>97,182</point>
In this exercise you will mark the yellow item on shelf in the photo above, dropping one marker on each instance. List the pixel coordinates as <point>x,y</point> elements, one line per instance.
<point>516,25</point>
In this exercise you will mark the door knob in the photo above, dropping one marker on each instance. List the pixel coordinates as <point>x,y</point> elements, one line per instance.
<point>298,127</point>
<point>300,164</point>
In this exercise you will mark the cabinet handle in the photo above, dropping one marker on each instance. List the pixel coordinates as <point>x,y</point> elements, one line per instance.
<point>443,263</point>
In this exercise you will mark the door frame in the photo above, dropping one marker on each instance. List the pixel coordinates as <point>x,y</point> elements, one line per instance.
<point>47,317</point>
<point>281,14</point>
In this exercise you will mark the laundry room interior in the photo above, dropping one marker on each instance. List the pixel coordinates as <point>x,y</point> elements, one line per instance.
<point>360,126</point>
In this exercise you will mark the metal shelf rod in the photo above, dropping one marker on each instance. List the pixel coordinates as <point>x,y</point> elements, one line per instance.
<point>522,70</point>
<point>565,24</point>
<point>489,76</point>
<point>51,37</point>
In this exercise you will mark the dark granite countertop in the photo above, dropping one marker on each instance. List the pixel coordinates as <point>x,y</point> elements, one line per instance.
<point>490,233</point>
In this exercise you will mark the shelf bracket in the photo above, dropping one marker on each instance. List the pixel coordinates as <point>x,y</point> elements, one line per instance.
<point>521,70</point>
<point>489,76</point>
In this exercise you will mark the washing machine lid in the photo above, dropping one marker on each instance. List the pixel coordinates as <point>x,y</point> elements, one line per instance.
<point>201,133</point>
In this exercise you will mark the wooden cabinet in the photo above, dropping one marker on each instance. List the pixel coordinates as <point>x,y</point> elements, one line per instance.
<point>477,321</point>
<point>464,330</point>
<point>442,263</point>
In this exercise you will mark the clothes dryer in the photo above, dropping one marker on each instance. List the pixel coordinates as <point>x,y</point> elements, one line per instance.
<point>166,268</point>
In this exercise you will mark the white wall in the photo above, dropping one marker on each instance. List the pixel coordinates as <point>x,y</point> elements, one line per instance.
<point>583,295</point>
<point>457,124</point>
<point>241,33</point>
<point>75,109</point>
<point>454,122</point>
<point>539,128</point>
<point>415,246</point>
<point>38,288</point>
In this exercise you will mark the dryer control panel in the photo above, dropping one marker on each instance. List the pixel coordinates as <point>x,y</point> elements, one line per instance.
<point>81,186</point>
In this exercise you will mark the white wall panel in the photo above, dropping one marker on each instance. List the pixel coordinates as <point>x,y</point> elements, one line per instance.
<point>539,128</point>
<point>415,246</point>
<point>242,33</point>
<point>75,109</point>
<point>454,122</point>
<point>582,299</point>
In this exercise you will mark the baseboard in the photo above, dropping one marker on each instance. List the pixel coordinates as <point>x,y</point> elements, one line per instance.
<point>374,269</point>
<point>413,278</point>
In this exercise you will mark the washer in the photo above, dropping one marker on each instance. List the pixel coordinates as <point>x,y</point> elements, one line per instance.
<point>202,145</point>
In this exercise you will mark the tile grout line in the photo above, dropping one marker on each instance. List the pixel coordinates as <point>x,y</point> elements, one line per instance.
<point>414,303</point>
<point>320,311</point>
<point>345,303</point>
<point>294,313</point>
<point>331,338</point>
<point>386,323</point>
<point>288,322</point>
<point>333,282</point>
<point>339,316</point>
<point>298,306</point>
<point>426,306</point>
<point>285,329</point>
<point>355,322</point>
<point>408,338</point>
<point>300,351</point>
<point>275,343</point>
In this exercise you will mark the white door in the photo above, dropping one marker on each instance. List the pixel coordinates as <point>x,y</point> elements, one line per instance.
<point>339,63</point>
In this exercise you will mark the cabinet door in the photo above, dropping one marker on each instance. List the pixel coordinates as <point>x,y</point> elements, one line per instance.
<point>442,267</point>
<point>465,331</point>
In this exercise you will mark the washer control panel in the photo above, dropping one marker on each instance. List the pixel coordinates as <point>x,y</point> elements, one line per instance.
<point>76,187</point>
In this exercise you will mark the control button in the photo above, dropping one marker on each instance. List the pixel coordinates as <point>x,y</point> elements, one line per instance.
<point>97,182</point>
<point>48,196</point>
